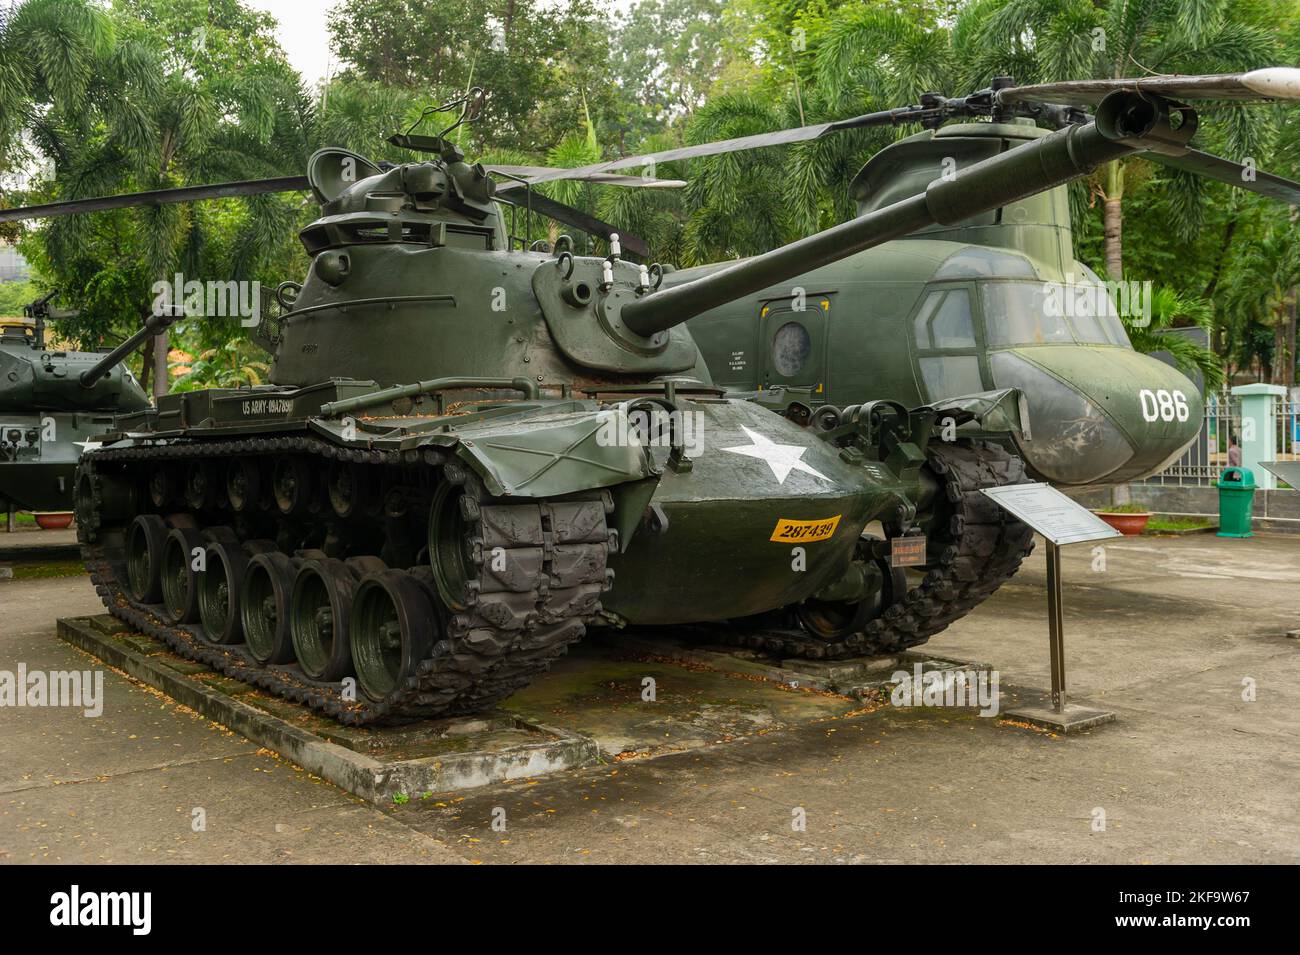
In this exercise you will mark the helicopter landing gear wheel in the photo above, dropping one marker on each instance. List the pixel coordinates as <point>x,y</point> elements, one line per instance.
<point>836,619</point>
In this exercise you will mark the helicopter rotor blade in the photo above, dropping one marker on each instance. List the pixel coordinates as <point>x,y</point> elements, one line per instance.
<point>1271,83</point>
<point>155,197</point>
<point>521,197</point>
<point>1232,173</point>
<point>600,178</point>
<point>799,134</point>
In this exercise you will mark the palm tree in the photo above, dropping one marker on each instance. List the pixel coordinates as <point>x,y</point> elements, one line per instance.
<point>1259,298</point>
<point>47,52</point>
<point>157,116</point>
<point>1045,40</point>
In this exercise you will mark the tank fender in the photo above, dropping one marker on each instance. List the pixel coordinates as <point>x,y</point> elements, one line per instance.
<point>553,455</point>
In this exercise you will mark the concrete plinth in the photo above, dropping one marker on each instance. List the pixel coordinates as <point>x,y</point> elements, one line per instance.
<point>381,765</point>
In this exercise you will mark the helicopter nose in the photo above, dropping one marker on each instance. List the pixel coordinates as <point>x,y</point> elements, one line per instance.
<point>1099,413</point>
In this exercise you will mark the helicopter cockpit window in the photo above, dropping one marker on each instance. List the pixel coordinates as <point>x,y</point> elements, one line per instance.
<point>945,321</point>
<point>983,263</point>
<point>1104,327</point>
<point>1022,313</point>
<point>945,324</point>
<point>947,376</point>
<point>1101,328</point>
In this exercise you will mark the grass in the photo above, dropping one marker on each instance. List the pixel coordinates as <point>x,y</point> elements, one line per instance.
<point>1123,509</point>
<point>1178,523</point>
<point>48,569</point>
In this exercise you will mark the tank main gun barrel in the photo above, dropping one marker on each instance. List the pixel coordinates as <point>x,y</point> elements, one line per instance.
<point>1126,123</point>
<point>154,324</point>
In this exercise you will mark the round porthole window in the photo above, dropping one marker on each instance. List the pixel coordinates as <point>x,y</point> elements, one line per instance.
<point>791,346</point>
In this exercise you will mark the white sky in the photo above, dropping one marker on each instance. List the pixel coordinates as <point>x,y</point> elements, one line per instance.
<point>303,34</point>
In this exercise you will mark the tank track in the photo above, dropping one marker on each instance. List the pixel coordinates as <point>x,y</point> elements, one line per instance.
<point>977,550</point>
<point>518,619</point>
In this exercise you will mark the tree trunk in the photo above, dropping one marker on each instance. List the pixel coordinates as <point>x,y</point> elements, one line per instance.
<point>161,380</point>
<point>1280,356</point>
<point>146,365</point>
<point>1113,227</point>
<point>1112,217</point>
<point>1288,371</point>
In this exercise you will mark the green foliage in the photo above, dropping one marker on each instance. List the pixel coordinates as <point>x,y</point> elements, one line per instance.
<point>231,364</point>
<point>177,92</point>
<point>14,295</point>
<point>536,59</point>
<point>1171,309</point>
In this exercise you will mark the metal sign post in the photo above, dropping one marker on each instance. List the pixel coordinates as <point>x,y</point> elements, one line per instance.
<point>1059,520</point>
<point>1056,626</point>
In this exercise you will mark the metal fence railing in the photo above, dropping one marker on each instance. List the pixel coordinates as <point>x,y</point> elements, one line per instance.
<point>1209,454</point>
<point>1288,427</point>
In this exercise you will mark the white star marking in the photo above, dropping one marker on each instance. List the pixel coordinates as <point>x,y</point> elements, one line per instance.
<point>781,458</point>
<point>88,445</point>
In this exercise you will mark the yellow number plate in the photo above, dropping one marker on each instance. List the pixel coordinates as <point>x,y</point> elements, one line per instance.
<point>801,532</point>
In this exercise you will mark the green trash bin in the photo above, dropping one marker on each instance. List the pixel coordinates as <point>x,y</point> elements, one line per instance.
<point>1236,495</point>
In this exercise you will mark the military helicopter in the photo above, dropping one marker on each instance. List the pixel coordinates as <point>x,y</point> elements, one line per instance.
<point>53,403</point>
<point>973,306</point>
<point>441,488</point>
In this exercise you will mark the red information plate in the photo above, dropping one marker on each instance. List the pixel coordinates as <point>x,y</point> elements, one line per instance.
<point>907,551</point>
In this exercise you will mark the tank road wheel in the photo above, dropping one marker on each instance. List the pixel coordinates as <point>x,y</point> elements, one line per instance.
<point>292,484</point>
<point>525,576</point>
<point>164,488</point>
<point>200,486</point>
<point>220,587</point>
<point>180,591</point>
<point>394,626</point>
<point>449,546</point>
<point>347,486</point>
<point>836,619</point>
<point>264,610</point>
<point>243,484</point>
<point>144,551</point>
<point>320,610</point>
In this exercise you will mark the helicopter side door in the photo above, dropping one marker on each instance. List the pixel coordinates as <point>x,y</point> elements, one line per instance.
<point>948,343</point>
<point>792,341</point>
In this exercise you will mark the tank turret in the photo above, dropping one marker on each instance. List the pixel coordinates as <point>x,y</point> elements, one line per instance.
<point>53,403</point>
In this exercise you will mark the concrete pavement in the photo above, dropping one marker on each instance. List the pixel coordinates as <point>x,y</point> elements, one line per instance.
<point>1170,634</point>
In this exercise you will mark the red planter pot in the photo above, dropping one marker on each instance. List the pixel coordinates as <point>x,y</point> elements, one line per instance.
<point>54,522</point>
<point>1128,524</point>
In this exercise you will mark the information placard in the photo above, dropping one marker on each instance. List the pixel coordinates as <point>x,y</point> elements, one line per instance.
<point>1288,471</point>
<point>1060,519</point>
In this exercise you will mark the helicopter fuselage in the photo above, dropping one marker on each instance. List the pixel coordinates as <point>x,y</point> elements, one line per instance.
<point>991,303</point>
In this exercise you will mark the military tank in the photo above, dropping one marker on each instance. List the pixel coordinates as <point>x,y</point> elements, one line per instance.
<point>467,455</point>
<point>53,404</point>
